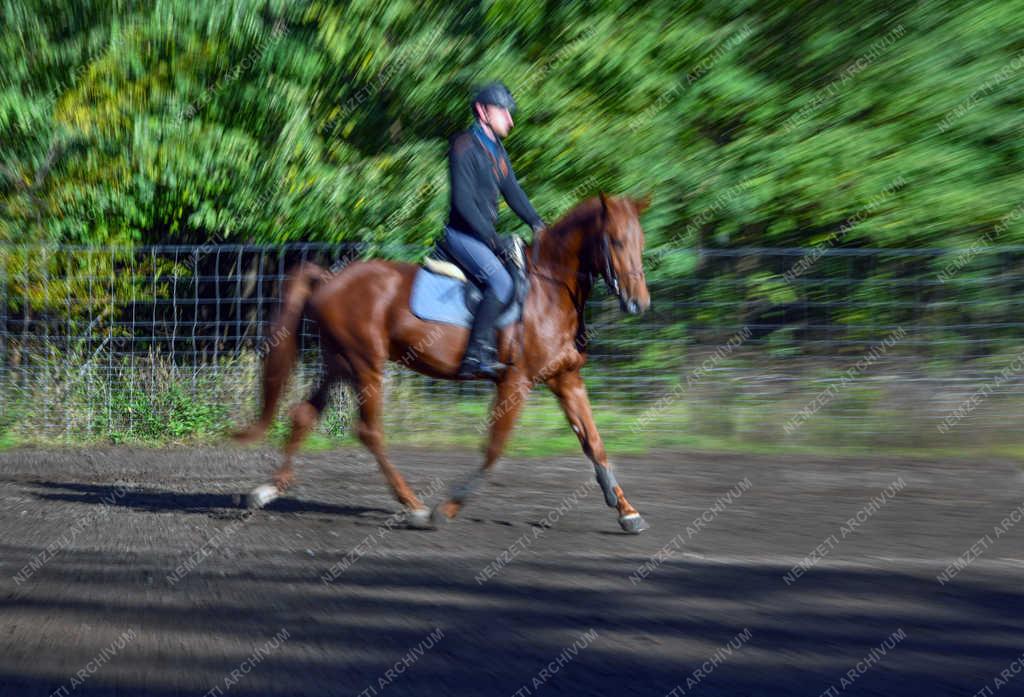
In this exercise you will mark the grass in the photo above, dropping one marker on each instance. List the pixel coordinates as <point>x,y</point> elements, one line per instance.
<point>543,432</point>
<point>159,404</point>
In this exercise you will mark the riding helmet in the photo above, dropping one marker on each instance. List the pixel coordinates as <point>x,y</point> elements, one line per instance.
<point>497,94</point>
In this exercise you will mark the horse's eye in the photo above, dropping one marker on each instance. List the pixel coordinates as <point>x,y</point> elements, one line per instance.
<point>617,243</point>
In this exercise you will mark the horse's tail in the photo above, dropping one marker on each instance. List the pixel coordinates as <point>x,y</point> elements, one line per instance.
<point>282,344</point>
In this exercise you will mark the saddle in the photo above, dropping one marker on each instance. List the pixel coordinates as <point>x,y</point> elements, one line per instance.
<point>433,297</point>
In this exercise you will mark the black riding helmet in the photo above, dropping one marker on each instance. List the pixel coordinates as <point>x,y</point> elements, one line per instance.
<point>497,94</point>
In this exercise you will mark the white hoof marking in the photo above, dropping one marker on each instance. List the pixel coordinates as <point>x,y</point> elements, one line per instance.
<point>262,495</point>
<point>419,519</point>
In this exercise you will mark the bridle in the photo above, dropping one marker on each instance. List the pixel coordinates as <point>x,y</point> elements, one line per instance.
<point>605,266</point>
<point>579,295</point>
<point>607,269</point>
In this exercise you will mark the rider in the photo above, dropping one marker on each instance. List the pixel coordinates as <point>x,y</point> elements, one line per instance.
<point>478,169</point>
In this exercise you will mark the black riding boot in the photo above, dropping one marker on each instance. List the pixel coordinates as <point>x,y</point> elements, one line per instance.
<point>481,359</point>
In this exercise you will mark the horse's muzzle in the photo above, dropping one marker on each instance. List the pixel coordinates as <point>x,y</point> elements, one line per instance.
<point>632,306</point>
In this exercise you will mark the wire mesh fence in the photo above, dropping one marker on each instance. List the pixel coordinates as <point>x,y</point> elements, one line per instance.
<point>804,346</point>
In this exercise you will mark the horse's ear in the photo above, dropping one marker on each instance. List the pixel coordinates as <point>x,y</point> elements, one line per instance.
<point>642,204</point>
<point>604,204</point>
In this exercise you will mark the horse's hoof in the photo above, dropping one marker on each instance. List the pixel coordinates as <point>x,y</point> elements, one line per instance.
<point>262,495</point>
<point>438,517</point>
<point>419,519</point>
<point>633,523</point>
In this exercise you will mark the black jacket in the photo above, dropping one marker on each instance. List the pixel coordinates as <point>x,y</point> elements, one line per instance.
<point>476,176</point>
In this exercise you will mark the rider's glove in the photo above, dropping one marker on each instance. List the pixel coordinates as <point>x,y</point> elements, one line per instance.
<point>506,248</point>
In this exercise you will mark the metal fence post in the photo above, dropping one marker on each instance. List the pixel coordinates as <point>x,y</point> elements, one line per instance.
<point>4,387</point>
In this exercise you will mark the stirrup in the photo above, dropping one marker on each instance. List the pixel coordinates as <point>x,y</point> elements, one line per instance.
<point>473,367</point>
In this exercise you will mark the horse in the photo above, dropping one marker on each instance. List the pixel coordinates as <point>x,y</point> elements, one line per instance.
<point>364,319</point>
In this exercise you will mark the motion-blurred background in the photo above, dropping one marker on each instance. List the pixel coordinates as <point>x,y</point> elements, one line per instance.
<point>834,246</point>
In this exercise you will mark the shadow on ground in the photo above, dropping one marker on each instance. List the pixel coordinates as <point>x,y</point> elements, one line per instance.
<point>154,501</point>
<point>499,636</point>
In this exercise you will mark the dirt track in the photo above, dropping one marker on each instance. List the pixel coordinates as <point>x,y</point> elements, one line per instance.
<point>561,615</point>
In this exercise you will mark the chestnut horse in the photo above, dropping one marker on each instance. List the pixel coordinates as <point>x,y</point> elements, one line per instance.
<point>364,320</point>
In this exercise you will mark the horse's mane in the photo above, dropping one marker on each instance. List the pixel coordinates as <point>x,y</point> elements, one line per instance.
<point>578,216</point>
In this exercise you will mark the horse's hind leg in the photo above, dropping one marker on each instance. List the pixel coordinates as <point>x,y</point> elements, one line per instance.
<point>371,434</point>
<point>304,417</point>
<point>508,402</point>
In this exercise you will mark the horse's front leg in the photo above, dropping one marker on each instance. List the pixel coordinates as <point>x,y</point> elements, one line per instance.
<point>508,402</point>
<point>572,395</point>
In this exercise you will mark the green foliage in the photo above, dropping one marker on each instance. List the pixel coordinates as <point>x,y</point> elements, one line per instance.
<point>264,120</point>
<point>753,123</point>
<point>86,287</point>
<point>171,415</point>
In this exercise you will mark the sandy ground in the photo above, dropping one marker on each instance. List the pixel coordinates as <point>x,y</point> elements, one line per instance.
<point>131,572</point>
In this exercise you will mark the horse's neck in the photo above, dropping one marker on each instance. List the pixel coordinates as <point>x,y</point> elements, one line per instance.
<point>559,257</point>
<point>560,266</point>
<point>561,282</point>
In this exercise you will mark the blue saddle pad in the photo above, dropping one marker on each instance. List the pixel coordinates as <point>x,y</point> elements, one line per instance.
<point>438,298</point>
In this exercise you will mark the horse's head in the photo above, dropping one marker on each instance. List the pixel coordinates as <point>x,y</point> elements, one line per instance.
<point>618,251</point>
